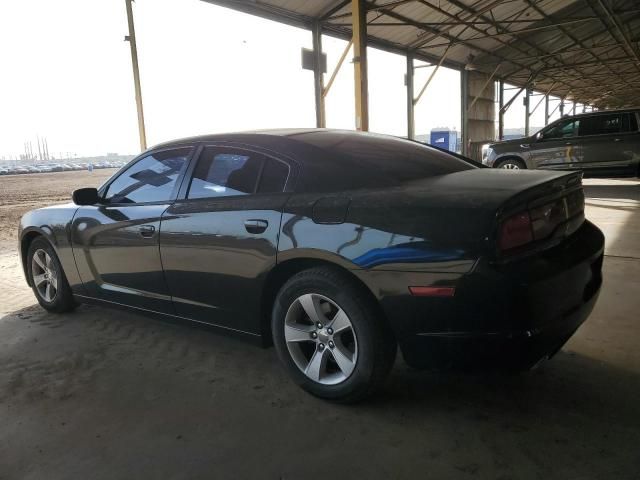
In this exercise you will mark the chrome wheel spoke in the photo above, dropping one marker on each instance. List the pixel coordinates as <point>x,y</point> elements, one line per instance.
<point>39,261</point>
<point>316,365</point>
<point>311,307</point>
<point>47,292</point>
<point>38,279</point>
<point>340,322</point>
<point>298,333</point>
<point>53,279</point>
<point>343,358</point>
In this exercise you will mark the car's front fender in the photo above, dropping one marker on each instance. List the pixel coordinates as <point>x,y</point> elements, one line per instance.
<point>53,224</point>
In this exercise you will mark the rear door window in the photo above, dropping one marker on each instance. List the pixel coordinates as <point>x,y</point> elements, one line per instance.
<point>222,172</point>
<point>601,125</point>
<point>274,176</point>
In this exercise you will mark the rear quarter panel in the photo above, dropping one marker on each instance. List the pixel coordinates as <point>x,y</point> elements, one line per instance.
<point>363,231</point>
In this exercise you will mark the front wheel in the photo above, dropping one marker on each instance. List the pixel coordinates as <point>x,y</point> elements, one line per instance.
<point>330,337</point>
<point>511,164</point>
<point>47,278</point>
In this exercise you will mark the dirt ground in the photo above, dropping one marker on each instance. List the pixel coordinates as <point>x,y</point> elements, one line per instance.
<point>106,394</point>
<point>21,193</point>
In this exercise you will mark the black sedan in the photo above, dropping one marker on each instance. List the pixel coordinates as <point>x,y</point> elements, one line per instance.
<point>336,246</point>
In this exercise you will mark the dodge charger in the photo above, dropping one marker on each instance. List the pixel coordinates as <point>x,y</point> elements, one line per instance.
<point>335,247</point>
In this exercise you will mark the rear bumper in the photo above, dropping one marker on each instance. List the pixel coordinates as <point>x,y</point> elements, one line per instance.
<point>516,350</point>
<point>503,316</point>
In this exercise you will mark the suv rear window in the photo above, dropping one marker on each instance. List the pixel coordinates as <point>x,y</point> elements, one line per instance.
<point>630,123</point>
<point>601,124</point>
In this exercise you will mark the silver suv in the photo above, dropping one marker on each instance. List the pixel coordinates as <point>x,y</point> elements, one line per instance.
<point>605,142</point>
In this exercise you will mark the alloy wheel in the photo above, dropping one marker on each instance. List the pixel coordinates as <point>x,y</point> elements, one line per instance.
<point>45,275</point>
<point>510,166</point>
<point>321,339</point>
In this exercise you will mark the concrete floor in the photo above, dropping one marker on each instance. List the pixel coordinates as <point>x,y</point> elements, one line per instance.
<point>103,394</point>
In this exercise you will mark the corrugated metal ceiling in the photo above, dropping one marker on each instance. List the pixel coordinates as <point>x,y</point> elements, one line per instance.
<point>584,50</point>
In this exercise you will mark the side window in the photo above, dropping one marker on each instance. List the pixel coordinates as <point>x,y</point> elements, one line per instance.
<point>601,125</point>
<point>564,129</point>
<point>151,179</point>
<point>224,171</point>
<point>629,123</point>
<point>274,176</point>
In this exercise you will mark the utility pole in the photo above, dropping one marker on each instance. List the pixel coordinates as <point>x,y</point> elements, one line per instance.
<point>131,38</point>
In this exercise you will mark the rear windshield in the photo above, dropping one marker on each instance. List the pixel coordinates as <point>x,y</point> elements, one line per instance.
<point>371,161</point>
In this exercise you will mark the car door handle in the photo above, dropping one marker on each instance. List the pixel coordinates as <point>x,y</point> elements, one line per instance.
<point>616,139</point>
<point>256,225</point>
<point>147,231</point>
<point>568,143</point>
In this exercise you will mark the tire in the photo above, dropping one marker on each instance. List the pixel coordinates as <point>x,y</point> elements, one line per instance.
<point>52,292</point>
<point>345,365</point>
<point>511,164</point>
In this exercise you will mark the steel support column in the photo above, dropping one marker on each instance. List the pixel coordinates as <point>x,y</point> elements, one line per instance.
<point>546,110</point>
<point>131,38</point>
<point>411,129</point>
<point>359,28</point>
<point>562,107</point>
<point>527,114</point>
<point>464,115</point>
<point>501,110</point>
<point>318,75</point>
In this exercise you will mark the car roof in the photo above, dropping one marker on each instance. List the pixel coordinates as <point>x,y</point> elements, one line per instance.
<point>602,112</point>
<point>271,137</point>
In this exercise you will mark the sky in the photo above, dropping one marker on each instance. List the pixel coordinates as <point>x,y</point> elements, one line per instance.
<point>66,75</point>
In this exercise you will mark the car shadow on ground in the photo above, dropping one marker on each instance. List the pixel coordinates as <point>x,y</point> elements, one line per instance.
<point>99,370</point>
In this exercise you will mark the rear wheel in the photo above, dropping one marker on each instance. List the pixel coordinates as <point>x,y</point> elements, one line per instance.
<point>511,164</point>
<point>47,278</point>
<point>330,337</point>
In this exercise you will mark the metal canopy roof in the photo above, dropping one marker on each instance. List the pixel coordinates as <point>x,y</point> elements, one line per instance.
<point>584,50</point>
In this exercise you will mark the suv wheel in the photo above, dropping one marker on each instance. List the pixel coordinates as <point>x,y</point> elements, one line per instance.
<point>511,164</point>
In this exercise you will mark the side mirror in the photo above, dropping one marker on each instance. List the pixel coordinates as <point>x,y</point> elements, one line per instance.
<point>85,196</point>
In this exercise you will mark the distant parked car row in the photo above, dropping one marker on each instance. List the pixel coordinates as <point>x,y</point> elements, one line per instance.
<point>56,167</point>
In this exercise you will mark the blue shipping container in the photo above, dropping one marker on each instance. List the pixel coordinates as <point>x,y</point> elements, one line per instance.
<point>444,139</point>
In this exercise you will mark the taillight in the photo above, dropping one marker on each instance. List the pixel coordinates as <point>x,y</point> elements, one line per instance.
<point>515,231</point>
<point>541,222</point>
<point>546,218</point>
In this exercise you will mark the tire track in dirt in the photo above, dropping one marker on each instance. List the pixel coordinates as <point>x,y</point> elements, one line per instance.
<point>15,294</point>
<point>59,378</point>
